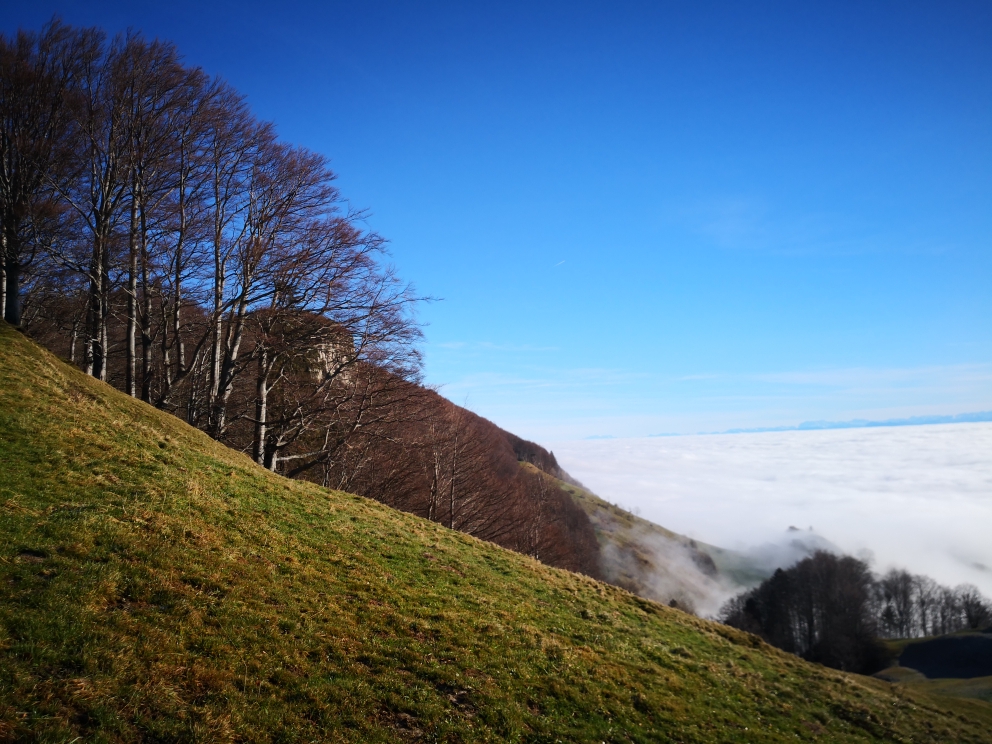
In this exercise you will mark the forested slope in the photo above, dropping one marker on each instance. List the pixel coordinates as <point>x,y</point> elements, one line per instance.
<point>157,586</point>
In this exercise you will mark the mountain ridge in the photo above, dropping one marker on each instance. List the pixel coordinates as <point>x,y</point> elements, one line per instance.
<point>960,418</point>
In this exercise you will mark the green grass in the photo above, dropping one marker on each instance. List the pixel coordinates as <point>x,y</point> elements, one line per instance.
<point>977,688</point>
<point>156,586</point>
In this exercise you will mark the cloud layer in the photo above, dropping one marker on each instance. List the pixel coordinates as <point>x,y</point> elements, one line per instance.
<point>916,497</point>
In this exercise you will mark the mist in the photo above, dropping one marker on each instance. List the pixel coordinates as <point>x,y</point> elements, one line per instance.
<point>917,497</point>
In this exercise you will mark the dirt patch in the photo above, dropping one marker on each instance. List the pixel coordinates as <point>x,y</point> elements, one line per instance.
<point>951,657</point>
<point>29,555</point>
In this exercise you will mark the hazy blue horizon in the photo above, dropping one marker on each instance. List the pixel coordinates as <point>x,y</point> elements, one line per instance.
<point>931,420</point>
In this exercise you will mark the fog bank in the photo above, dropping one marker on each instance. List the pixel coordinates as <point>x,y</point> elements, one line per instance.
<point>916,497</point>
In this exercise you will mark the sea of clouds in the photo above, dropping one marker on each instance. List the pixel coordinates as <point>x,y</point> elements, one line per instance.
<point>914,497</point>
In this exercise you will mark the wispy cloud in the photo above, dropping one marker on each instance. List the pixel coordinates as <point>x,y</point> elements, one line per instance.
<point>887,377</point>
<point>562,379</point>
<point>490,346</point>
<point>756,223</point>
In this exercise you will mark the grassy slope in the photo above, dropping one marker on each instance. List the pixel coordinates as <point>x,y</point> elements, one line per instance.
<point>977,688</point>
<point>157,586</point>
<point>633,535</point>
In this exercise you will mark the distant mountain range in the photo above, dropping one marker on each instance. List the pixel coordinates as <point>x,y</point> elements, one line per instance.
<point>961,418</point>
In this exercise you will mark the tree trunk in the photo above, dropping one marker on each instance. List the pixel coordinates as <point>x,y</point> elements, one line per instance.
<point>166,361</point>
<point>3,273</point>
<point>177,307</point>
<point>94,356</point>
<point>130,386</point>
<point>451,483</point>
<point>228,369</point>
<point>177,325</point>
<point>433,497</point>
<point>72,342</point>
<point>12,298</point>
<point>105,312</point>
<point>261,395</point>
<point>218,328</point>
<point>146,321</point>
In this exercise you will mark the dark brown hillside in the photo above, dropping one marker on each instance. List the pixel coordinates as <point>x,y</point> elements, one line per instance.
<point>533,453</point>
<point>442,462</point>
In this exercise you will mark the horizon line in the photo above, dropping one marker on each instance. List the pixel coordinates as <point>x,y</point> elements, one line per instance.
<point>960,418</point>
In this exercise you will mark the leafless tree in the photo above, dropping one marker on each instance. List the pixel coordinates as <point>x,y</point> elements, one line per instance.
<point>831,609</point>
<point>898,610</point>
<point>164,110</point>
<point>819,609</point>
<point>926,592</point>
<point>38,77</point>
<point>976,609</point>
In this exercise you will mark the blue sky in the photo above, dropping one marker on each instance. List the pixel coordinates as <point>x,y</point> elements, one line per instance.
<point>647,217</point>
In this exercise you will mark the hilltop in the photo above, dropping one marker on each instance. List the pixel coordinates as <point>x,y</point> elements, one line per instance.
<point>159,586</point>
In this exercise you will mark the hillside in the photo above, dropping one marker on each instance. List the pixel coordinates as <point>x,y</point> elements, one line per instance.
<point>659,564</point>
<point>160,587</point>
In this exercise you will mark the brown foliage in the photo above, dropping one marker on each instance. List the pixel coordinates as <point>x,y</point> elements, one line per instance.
<point>444,463</point>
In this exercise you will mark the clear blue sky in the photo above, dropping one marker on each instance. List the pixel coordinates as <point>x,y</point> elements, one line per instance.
<point>647,217</point>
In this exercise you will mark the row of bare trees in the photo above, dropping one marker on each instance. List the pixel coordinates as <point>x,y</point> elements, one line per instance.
<point>172,245</point>
<point>906,605</point>
<point>832,609</point>
<point>158,235</point>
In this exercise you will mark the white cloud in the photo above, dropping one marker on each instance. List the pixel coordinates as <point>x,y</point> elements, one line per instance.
<point>918,497</point>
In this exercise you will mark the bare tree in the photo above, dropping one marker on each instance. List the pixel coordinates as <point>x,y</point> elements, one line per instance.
<point>97,193</point>
<point>163,101</point>
<point>897,588</point>
<point>977,611</point>
<point>927,594</point>
<point>819,609</point>
<point>38,75</point>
